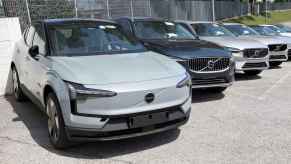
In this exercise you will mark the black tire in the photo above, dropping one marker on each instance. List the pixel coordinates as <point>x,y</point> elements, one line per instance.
<point>56,126</point>
<point>217,89</point>
<point>275,63</point>
<point>253,72</point>
<point>17,91</point>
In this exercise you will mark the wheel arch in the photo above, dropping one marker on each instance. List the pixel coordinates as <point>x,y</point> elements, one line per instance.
<point>12,65</point>
<point>47,89</point>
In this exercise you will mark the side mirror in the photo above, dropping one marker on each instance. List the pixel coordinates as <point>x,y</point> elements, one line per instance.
<point>33,51</point>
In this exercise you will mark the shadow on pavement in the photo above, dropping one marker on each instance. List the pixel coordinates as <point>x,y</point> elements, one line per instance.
<point>204,95</point>
<point>244,77</point>
<point>35,121</point>
<point>275,67</point>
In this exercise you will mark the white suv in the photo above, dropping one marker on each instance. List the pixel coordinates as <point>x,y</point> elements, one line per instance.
<point>95,83</point>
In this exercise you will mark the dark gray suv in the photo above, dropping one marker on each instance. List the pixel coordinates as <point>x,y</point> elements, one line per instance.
<point>210,65</point>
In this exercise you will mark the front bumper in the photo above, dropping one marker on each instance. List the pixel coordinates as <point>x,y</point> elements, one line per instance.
<point>213,79</point>
<point>121,127</point>
<point>280,56</point>
<point>245,64</point>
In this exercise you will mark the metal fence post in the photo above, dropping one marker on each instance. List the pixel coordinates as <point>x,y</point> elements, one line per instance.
<point>28,11</point>
<point>176,14</point>
<point>131,8</point>
<point>150,7</point>
<point>76,9</point>
<point>213,10</point>
<point>266,10</point>
<point>107,7</point>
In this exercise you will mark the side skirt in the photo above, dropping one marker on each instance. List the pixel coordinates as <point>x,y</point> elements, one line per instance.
<point>33,98</point>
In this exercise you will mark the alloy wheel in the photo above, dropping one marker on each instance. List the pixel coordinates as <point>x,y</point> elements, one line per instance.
<point>53,120</point>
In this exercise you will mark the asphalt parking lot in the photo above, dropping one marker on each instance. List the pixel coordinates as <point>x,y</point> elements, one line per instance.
<point>249,123</point>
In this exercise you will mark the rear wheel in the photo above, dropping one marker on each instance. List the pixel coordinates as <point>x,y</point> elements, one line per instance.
<point>217,89</point>
<point>253,72</point>
<point>56,125</point>
<point>17,91</point>
<point>275,63</point>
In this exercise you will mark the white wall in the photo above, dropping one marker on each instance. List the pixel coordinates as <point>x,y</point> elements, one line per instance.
<point>9,33</point>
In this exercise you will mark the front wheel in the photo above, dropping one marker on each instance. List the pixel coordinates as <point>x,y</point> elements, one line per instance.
<point>217,89</point>
<point>17,91</point>
<point>253,72</point>
<point>56,125</point>
<point>275,63</point>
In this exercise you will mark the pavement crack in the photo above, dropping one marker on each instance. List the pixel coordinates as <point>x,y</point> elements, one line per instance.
<point>15,140</point>
<point>217,119</point>
<point>121,161</point>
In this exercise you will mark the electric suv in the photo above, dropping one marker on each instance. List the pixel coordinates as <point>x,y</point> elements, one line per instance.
<point>277,47</point>
<point>251,57</point>
<point>210,65</point>
<point>95,83</point>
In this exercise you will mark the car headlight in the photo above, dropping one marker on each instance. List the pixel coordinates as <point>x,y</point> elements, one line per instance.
<point>234,51</point>
<point>186,81</point>
<point>80,91</point>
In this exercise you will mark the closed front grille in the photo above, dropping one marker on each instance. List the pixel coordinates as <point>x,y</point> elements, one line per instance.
<point>208,64</point>
<point>255,65</point>
<point>255,53</point>
<point>277,47</point>
<point>277,57</point>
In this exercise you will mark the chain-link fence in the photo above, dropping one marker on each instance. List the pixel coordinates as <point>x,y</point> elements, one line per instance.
<point>170,9</point>
<point>198,10</point>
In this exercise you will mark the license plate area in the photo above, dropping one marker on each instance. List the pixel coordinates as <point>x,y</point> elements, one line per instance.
<point>148,119</point>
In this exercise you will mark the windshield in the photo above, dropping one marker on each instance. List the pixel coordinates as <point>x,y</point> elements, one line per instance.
<point>241,30</point>
<point>90,39</point>
<point>210,29</point>
<point>162,30</point>
<point>265,31</point>
<point>274,28</point>
<point>284,28</point>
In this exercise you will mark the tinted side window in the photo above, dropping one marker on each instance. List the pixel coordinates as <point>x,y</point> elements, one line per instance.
<point>199,29</point>
<point>29,36</point>
<point>125,26</point>
<point>39,40</point>
<point>187,27</point>
<point>25,34</point>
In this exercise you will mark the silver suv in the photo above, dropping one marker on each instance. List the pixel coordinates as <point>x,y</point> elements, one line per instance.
<point>278,48</point>
<point>251,57</point>
<point>95,83</point>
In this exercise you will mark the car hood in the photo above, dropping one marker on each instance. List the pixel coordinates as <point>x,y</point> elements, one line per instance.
<point>117,68</point>
<point>267,40</point>
<point>286,34</point>
<point>235,42</point>
<point>186,49</point>
<point>286,39</point>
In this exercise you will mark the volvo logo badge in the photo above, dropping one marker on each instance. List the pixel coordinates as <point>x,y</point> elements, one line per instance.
<point>211,64</point>
<point>257,53</point>
<point>149,98</point>
<point>278,48</point>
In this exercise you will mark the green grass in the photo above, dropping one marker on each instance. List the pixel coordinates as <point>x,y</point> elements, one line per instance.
<point>273,18</point>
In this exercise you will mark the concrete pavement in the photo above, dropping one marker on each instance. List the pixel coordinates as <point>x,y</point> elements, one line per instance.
<point>249,123</point>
